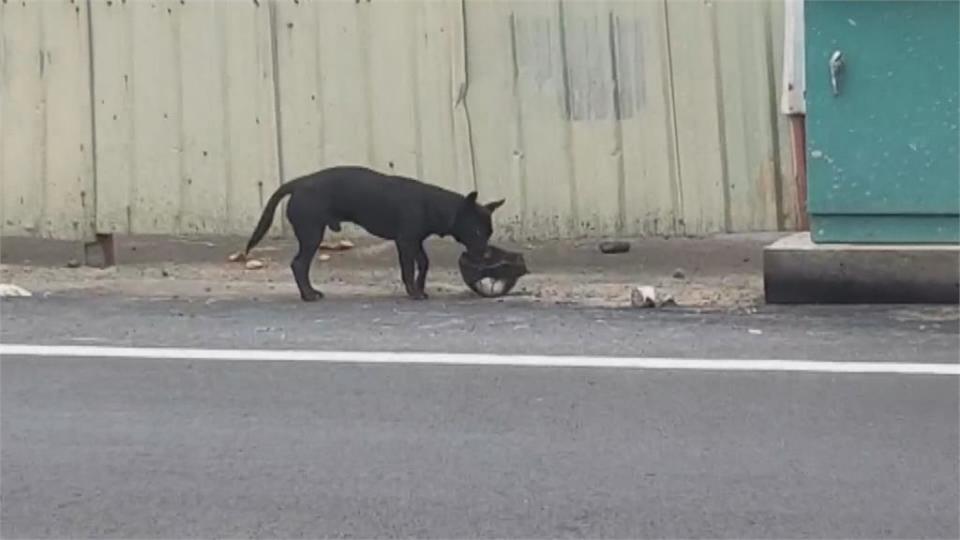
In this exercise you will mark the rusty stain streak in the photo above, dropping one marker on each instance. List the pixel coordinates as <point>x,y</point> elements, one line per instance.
<point>585,85</point>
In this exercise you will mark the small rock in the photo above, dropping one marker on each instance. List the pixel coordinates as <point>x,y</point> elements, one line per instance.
<point>755,331</point>
<point>679,274</point>
<point>254,264</point>
<point>237,257</point>
<point>323,257</point>
<point>346,244</point>
<point>614,247</point>
<point>73,263</point>
<point>164,273</point>
<point>643,297</point>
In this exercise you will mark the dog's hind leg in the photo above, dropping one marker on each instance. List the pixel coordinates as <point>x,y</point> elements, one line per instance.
<point>309,231</point>
<point>309,239</point>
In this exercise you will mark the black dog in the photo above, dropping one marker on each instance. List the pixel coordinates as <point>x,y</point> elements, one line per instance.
<point>392,207</point>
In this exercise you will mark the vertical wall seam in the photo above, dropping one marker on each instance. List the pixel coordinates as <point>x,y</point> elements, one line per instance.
<point>4,76</point>
<point>721,116</point>
<point>621,221</point>
<point>318,91</point>
<point>277,110</point>
<point>568,124</point>
<point>462,92</point>
<point>518,154</point>
<point>774,113</point>
<point>419,22</point>
<point>90,230</point>
<point>131,116</point>
<point>227,141</point>
<point>176,29</point>
<point>44,188</point>
<point>677,187</point>
<point>363,42</point>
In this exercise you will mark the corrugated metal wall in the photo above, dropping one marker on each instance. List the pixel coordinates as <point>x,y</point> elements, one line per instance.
<point>590,117</point>
<point>46,141</point>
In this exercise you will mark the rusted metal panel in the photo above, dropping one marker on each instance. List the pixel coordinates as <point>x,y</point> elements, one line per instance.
<point>46,148</point>
<point>591,118</point>
<point>791,212</point>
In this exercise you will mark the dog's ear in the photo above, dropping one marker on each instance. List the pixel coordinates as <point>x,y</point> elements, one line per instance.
<point>466,208</point>
<point>491,206</point>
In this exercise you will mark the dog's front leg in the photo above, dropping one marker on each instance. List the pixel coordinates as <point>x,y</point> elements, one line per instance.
<point>423,264</point>
<point>408,255</point>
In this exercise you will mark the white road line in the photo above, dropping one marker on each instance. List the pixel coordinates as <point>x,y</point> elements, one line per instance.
<point>356,357</point>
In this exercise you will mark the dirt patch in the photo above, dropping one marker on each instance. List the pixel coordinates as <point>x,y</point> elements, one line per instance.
<point>233,281</point>
<point>722,272</point>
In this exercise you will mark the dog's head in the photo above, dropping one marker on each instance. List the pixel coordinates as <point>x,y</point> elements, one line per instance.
<point>472,226</point>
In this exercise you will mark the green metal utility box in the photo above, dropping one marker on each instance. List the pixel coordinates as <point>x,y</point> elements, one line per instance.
<point>882,120</point>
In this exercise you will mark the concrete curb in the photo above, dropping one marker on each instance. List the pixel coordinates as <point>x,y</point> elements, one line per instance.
<point>797,271</point>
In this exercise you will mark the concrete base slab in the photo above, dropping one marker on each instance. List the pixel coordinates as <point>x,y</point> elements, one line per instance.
<point>797,271</point>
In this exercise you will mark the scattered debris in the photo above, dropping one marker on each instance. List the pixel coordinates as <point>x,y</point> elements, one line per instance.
<point>237,257</point>
<point>342,245</point>
<point>9,289</point>
<point>643,297</point>
<point>679,274</point>
<point>614,247</point>
<point>73,263</point>
<point>646,297</point>
<point>755,331</point>
<point>254,264</point>
<point>666,301</point>
<point>323,257</point>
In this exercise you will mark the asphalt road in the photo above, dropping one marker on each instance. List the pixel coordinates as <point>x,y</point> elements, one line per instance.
<point>132,447</point>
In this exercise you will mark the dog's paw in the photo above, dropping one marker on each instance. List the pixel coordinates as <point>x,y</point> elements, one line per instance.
<point>311,296</point>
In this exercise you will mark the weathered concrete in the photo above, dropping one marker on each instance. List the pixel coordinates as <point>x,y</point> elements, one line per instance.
<point>795,270</point>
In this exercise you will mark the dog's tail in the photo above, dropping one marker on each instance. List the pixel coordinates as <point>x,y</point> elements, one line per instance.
<point>266,219</point>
